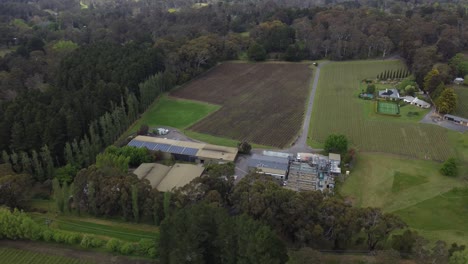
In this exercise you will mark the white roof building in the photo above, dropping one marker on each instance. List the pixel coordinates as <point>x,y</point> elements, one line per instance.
<point>416,101</point>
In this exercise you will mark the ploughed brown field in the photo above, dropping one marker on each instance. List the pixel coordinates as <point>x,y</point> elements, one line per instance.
<point>263,103</point>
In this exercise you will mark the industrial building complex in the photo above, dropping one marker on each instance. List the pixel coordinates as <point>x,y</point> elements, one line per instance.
<point>301,172</point>
<point>304,172</point>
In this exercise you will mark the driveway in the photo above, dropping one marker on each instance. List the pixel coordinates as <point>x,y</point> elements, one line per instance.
<point>301,143</point>
<point>435,119</point>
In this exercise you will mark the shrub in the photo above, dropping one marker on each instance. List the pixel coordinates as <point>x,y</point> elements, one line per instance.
<point>256,52</point>
<point>73,238</point>
<point>97,242</point>
<point>152,253</point>
<point>370,88</point>
<point>127,248</point>
<point>48,235</point>
<point>143,130</point>
<point>244,147</point>
<point>113,245</point>
<point>86,241</point>
<point>449,168</point>
<point>145,246</point>
<point>59,237</point>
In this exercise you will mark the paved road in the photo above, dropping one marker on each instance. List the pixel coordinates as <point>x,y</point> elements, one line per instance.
<point>301,143</point>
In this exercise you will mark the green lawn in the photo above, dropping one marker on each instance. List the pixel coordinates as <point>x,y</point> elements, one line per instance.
<point>400,185</point>
<point>17,256</point>
<point>337,109</point>
<point>104,228</point>
<point>443,216</point>
<point>403,181</point>
<point>177,113</point>
<point>462,107</point>
<point>218,140</point>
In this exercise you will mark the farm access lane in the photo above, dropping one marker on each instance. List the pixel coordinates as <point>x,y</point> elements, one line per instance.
<point>301,143</point>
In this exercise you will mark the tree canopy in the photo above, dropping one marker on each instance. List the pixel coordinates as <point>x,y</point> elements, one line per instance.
<point>336,143</point>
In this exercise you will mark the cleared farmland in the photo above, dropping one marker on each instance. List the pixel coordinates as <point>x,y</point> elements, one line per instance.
<point>337,110</point>
<point>17,256</point>
<point>263,103</point>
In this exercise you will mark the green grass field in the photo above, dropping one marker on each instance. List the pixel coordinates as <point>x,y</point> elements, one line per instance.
<point>338,110</point>
<point>444,215</point>
<point>462,107</point>
<point>177,113</point>
<point>413,189</point>
<point>16,256</point>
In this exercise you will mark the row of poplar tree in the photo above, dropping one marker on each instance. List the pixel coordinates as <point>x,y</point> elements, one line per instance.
<point>394,74</point>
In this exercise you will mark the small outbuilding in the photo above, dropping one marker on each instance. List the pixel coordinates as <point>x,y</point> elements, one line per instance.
<point>458,80</point>
<point>456,119</point>
<point>165,178</point>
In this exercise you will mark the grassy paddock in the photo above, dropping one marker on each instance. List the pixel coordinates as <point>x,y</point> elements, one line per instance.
<point>338,110</point>
<point>177,113</point>
<point>219,140</point>
<point>17,256</point>
<point>446,215</point>
<point>411,189</point>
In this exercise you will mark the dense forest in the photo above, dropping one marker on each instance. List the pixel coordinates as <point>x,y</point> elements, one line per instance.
<point>74,75</point>
<point>71,65</point>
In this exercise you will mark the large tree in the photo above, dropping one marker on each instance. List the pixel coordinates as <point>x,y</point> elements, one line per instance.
<point>447,101</point>
<point>336,143</point>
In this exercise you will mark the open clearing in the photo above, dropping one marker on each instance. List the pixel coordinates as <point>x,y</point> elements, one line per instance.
<point>413,189</point>
<point>177,113</point>
<point>16,256</point>
<point>446,213</point>
<point>462,107</point>
<point>338,110</point>
<point>263,103</point>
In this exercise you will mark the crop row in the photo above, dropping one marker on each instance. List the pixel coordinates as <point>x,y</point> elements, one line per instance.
<point>21,257</point>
